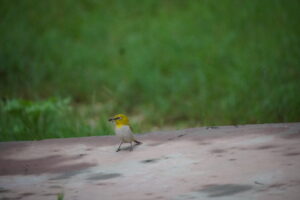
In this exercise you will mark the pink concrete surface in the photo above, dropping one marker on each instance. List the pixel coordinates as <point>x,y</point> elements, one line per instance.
<point>228,162</point>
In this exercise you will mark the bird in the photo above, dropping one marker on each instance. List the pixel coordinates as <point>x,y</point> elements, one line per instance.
<point>123,130</point>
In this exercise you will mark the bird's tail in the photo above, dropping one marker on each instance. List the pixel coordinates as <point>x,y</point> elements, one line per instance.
<point>137,142</point>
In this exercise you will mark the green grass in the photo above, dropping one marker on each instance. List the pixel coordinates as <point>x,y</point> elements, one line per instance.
<point>52,118</point>
<point>165,63</point>
<point>60,196</point>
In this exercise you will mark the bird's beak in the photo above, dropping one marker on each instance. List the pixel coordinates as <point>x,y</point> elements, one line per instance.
<point>113,119</point>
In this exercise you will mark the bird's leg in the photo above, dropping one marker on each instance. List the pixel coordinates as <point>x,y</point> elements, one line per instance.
<point>119,146</point>
<point>131,146</point>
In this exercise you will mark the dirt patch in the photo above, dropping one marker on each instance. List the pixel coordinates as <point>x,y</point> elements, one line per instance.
<point>49,164</point>
<point>55,187</point>
<point>150,160</point>
<point>155,144</point>
<point>68,174</point>
<point>292,154</point>
<point>277,185</point>
<point>50,194</point>
<point>26,194</point>
<point>292,136</point>
<point>219,190</point>
<point>263,147</point>
<point>212,127</point>
<point>218,151</point>
<point>8,148</point>
<point>103,176</point>
<point>3,190</point>
<point>204,143</point>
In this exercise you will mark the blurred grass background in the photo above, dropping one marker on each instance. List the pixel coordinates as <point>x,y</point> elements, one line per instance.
<point>66,66</point>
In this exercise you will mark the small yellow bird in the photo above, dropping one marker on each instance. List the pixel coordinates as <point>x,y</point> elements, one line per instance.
<point>123,130</point>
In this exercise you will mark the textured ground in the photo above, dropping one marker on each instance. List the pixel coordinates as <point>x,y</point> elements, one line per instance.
<point>230,162</point>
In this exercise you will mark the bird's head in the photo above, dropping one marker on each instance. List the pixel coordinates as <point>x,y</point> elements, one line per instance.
<point>120,120</point>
